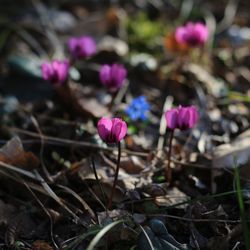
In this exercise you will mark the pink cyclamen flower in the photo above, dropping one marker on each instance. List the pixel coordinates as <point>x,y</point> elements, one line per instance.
<point>112,130</point>
<point>56,72</point>
<point>112,76</point>
<point>182,117</point>
<point>192,34</point>
<point>82,47</point>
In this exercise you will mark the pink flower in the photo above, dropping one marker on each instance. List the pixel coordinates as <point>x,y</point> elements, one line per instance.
<point>112,130</point>
<point>56,72</point>
<point>182,117</point>
<point>82,47</point>
<point>192,34</point>
<point>112,76</point>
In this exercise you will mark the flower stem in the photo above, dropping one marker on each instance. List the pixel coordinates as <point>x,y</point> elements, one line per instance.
<point>97,179</point>
<point>168,172</point>
<point>116,176</point>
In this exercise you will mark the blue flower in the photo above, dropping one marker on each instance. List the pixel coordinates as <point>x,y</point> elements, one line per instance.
<point>138,109</point>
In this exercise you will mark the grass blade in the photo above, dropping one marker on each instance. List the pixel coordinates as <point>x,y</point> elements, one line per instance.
<point>98,237</point>
<point>241,206</point>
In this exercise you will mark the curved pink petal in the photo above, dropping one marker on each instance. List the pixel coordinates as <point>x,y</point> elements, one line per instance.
<point>63,71</point>
<point>183,118</point>
<point>118,75</point>
<point>193,113</point>
<point>47,71</point>
<point>203,32</point>
<point>172,118</point>
<point>119,129</point>
<point>104,74</point>
<point>104,128</point>
<point>87,45</point>
<point>180,35</point>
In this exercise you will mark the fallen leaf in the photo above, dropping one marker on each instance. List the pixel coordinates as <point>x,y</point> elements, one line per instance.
<point>13,153</point>
<point>238,150</point>
<point>41,245</point>
<point>173,196</point>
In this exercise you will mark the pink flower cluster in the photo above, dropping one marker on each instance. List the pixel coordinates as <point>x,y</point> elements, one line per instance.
<point>112,76</point>
<point>56,72</point>
<point>192,34</point>
<point>112,130</point>
<point>182,117</point>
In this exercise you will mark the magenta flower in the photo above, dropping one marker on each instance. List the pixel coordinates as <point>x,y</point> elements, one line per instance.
<point>112,130</point>
<point>182,117</point>
<point>112,76</point>
<point>56,72</point>
<point>192,34</point>
<point>82,47</point>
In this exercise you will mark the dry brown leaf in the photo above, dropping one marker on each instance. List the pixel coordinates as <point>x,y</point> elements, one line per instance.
<point>41,245</point>
<point>13,153</point>
<point>132,164</point>
<point>119,193</point>
<point>173,196</point>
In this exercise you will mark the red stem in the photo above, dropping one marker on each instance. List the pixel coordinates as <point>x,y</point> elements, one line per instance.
<point>116,176</point>
<point>168,171</point>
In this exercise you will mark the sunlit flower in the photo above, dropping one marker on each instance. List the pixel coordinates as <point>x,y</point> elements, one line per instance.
<point>182,117</point>
<point>56,71</point>
<point>112,76</point>
<point>112,130</point>
<point>192,34</point>
<point>138,109</point>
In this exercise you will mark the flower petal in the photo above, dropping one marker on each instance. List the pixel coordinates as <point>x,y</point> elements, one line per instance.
<point>104,74</point>
<point>104,128</point>
<point>119,129</point>
<point>172,118</point>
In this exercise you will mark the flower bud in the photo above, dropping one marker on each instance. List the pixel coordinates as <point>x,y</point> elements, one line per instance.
<point>112,76</point>
<point>56,72</point>
<point>192,34</point>
<point>182,117</point>
<point>112,130</point>
<point>81,47</point>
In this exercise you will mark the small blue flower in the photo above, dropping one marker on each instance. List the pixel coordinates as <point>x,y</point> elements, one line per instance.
<point>138,109</point>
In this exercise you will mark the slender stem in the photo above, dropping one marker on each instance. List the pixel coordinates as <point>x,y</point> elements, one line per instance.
<point>97,179</point>
<point>111,104</point>
<point>168,172</point>
<point>116,177</point>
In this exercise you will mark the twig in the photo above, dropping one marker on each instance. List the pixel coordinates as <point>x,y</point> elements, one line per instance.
<point>57,199</point>
<point>229,14</point>
<point>45,170</point>
<point>79,198</point>
<point>168,172</point>
<point>163,126</point>
<point>46,212</point>
<point>118,98</point>
<point>97,179</point>
<point>75,143</point>
<point>193,220</point>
